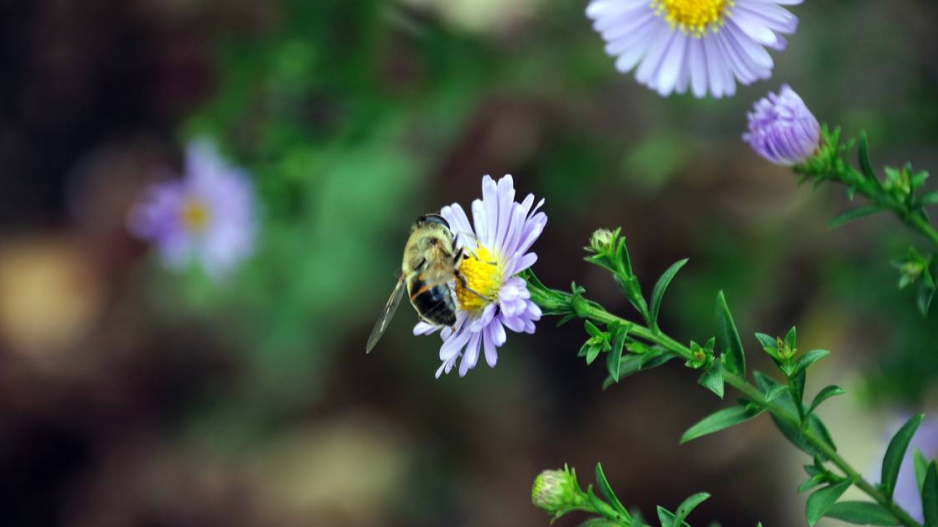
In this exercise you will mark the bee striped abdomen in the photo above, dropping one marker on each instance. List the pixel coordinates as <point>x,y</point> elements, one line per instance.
<point>433,303</point>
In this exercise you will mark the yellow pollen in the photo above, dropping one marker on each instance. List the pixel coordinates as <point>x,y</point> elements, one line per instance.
<point>194,216</point>
<point>694,17</point>
<point>483,275</point>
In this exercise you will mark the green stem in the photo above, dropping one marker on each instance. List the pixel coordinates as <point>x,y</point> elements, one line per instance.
<point>738,382</point>
<point>874,192</point>
<point>921,225</point>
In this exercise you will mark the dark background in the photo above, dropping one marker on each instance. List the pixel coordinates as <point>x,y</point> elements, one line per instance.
<point>130,396</point>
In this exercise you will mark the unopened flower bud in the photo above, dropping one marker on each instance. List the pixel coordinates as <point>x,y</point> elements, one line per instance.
<point>555,490</point>
<point>602,240</point>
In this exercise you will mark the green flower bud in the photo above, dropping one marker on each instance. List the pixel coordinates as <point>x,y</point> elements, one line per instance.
<point>603,241</point>
<point>554,491</point>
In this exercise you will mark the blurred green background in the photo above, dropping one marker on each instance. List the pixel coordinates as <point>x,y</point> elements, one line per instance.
<point>134,397</point>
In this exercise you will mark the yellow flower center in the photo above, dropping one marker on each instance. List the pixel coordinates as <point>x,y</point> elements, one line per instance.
<point>693,16</point>
<point>194,216</point>
<point>483,278</point>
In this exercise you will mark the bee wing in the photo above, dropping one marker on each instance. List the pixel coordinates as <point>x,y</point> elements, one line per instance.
<point>386,314</point>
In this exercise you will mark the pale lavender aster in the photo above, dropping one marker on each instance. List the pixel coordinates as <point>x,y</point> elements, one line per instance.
<point>782,129</point>
<point>705,45</point>
<point>207,216</point>
<point>497,243</point>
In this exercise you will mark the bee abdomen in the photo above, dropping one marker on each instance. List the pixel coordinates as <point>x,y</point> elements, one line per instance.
<point>434,304</point>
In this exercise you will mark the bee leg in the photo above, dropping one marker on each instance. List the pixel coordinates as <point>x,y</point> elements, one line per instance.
<point>465,284</point>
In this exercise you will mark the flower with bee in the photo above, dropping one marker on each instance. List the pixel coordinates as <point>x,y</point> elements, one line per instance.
<point>463,278</point>
<point>491,296</point>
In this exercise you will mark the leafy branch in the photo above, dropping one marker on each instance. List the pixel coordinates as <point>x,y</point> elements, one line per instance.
<point>558,493</point>
<point>631,347</point>
<point>900,192</point>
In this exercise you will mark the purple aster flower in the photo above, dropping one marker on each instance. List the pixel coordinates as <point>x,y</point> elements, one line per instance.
<point>782,129</point>
<point>493,297</point>
<point>207,216</point>
<point>706,45</point>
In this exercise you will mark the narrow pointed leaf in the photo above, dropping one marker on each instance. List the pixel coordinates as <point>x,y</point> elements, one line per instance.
<point>926,295</point>
<point>861,513</point>
<point>822,500</point>
<point>895,452</point>
<point>606,490</point>
<point>813,482</point>
<point>825,394</point>
<point>854,214</point>
<point>685,508</point>
<point>614,356</point>
<point>930,496</point>
<point>728,338</point>
<point>808,359</point>
<point>929,198</point>
<point>774,392</point>
<point>661,286</point>
<point>921,467</point>
<point>720,420</point>
<point>712,378</point>
<point>865,165</point>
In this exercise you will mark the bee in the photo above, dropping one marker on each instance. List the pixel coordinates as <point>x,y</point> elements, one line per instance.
<point>430,264</point>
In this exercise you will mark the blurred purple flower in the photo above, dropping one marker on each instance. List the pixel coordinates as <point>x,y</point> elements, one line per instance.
<point>906,494</point>
<point>782,129</point>
<point>207,216</point>
<point>498,251</point>
<point>706,45</point>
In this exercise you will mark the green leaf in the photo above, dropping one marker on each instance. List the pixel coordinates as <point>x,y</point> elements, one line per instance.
<point>632,364</point>
<point>926,296</point>
<point>825,394</point>
<point>794,434</point>
<point>929,198</point>
<point>592,330</point>
<point>768,343</point>
<point>930,496</point>
<point>812,482</point>
<point>728,337</point>
<point>861,513</point>
<point>921,466</point>
<point>720,420</point>
<point>712,378</point>
<point>854,214</point>
<point>790,337</point>
<point>614,357</point>
<point>822,500</point>
<point>895,452</point>
<point>661,286</point>
<point>864,154</point>
<point>764,382</point>
<point>685,508</point>
<point>606,490</point>
<point>774,392</point>
<point>665,517</point>
<point>592,353</point>
<point>808,359</point>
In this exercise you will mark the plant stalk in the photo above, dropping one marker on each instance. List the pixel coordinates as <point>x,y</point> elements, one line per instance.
<point>740,383</point>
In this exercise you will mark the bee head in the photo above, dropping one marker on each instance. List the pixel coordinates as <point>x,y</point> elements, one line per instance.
<point>432,218</point>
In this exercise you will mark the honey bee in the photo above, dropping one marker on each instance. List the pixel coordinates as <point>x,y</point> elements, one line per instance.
<point>430,264</point>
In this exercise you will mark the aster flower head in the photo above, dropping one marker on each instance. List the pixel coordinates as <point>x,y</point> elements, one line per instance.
<point>490,296</point>
<point>782,129</point>
<point>704,45</point>
<point>207,216</point>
